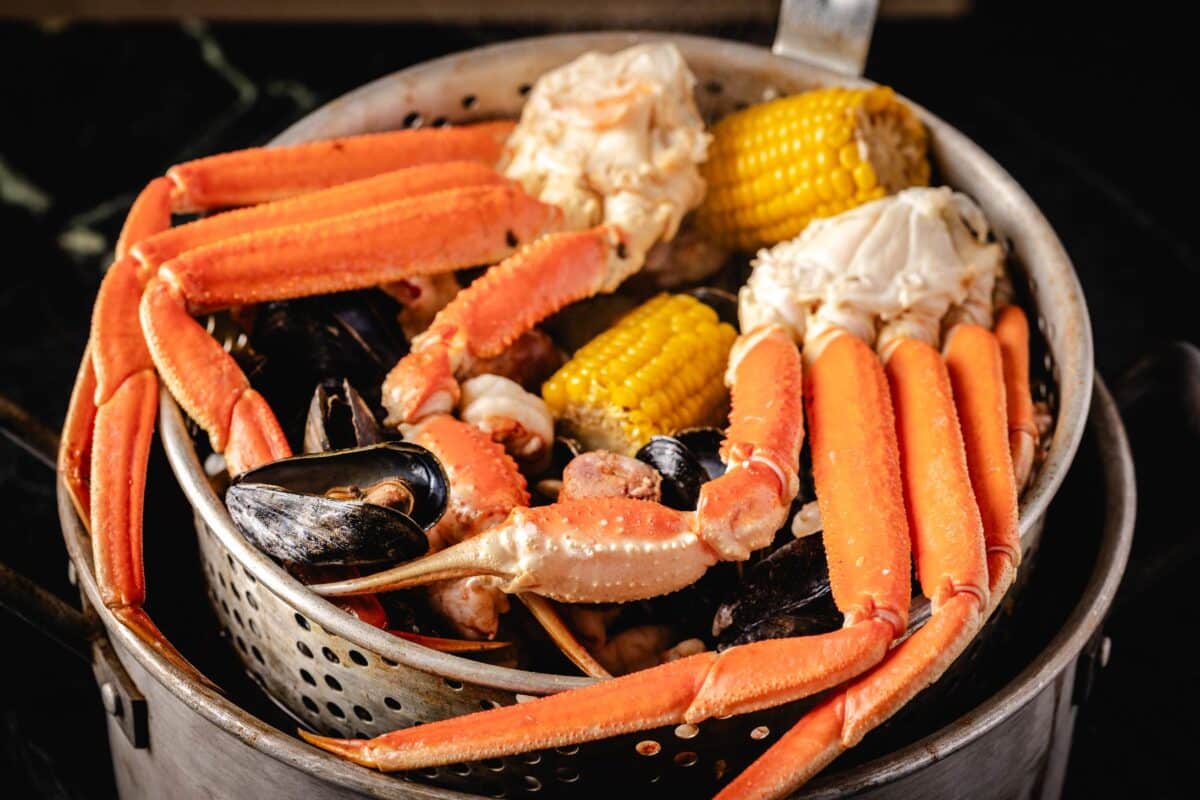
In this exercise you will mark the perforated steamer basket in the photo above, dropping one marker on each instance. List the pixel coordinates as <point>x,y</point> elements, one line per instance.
<point>341,676</point>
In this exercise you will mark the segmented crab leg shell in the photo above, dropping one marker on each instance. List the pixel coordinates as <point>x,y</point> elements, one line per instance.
<point>947,533</point>
<point>973,359</point>
<point>336,201</point>
<point>489,315</point>
<point>1012,331</point>
<point>855,456</point>
<point>262,174</point>
<point>75,446</point>
<point>780,670</point>
<point>433,233</point>
<point>149,214</point>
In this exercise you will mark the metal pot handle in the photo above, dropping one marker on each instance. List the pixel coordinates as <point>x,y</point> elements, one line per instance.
<point>834,34</point>
<point>78,630</point>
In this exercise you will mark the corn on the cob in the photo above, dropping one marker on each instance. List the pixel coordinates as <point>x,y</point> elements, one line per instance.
<point>658,370</point>
<point>774,167</point>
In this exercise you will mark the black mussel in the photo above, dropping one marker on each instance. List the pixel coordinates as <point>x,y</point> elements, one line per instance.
<point>686,461</point>
<point>785,594</point>
<point>338,417</point>
<point>723,302</point>
<point>361,506</point>
<point>705,444</point>
<point>355,336</point>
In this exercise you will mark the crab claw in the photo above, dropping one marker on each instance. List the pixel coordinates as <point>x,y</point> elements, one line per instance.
<point>593,550</point>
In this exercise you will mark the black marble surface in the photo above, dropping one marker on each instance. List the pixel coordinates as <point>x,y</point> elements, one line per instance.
<point>1086,107</point>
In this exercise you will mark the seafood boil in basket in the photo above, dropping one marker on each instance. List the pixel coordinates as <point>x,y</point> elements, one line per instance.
<point>592,424</point>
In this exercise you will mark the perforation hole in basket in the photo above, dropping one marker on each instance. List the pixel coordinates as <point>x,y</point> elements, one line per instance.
<point>358,658</point>
<point>532,784</point>
<point>686,758</point>
<point>307,677</point>
<point>488,705</point>
<point>760,732</point>
<point>462,770</point>
<point>238,618</point>
<point>493,764</point>
<point>335,709</point>
<point>648,747</point>
<point>310,704</point>
<point>566,774</point>
<point>412,120</point>
<point>363,714</point>
<point>251,601</point>
<point>333,683</point>
<point>304,649</point>
<point>302,621</point>
<point>393,704</point>
<point>258,656</point>
<point>330,656</point>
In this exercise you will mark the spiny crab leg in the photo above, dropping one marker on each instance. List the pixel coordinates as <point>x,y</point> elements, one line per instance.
<point>153,251</point>
<point>122,406</point>
<point>489,315</point>
<point>1012,332</point>
<point>257,175</point>
<point>979,464</point>
<point>736,513</point>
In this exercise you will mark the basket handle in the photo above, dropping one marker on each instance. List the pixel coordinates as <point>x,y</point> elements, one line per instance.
<point>78,631</point>
<point>834,34</point>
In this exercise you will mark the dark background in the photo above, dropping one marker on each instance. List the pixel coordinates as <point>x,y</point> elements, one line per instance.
<point>1089,108</point>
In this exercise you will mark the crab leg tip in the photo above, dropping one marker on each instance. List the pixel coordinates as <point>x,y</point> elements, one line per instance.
<point>350,749</point>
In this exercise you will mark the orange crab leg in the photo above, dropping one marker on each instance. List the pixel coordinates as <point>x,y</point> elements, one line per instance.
<point>976,372</point>
<point>855,456</point>
<point>1012,331</point>
<point>489,315</point>
<point>970,469</point>
<point>421,235</point>
<point>149,214</point>
<point>75,447</point>
<point>344,199</point>
<point>261,174</point>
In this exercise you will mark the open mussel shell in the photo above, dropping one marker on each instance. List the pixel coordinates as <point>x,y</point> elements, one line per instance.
<point>785,594</point>
<point>686,461</point>
<point>361,506</point>
<point>339,417</point>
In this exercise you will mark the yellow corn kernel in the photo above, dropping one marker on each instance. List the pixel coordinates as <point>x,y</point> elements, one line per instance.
<point>659,369</point>
<point>775,166</point>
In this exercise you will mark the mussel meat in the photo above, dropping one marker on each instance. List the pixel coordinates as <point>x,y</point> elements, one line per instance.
<point>785,594</point>
<point>361,506</point>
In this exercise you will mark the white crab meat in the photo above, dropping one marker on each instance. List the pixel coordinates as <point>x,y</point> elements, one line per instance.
<point>902,266</point>
<point>614,139</point>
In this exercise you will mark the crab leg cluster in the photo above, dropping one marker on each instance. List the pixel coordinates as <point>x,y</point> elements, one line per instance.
<point>911,454</point>
<point>390,214</point>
